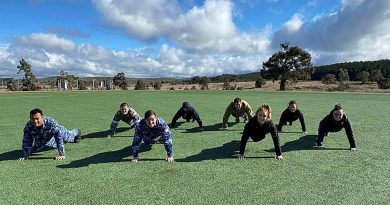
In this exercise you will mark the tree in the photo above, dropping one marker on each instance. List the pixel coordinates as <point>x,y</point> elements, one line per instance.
<point>65,76</point>
<point>343,79</point>
<point>290,62</point>
<point>28,82</point>
<point>12,85</point>
<point>157,85</point>
<point>195,80</point>
<point>329,79</point>
<point>260,82</point>
<point>364,77</point>
<point>120,81</point>
<point>375,75</point>
<point>384,83</point>
<point>140,85</point>
<point>82,85</point>
<point>204,83</point>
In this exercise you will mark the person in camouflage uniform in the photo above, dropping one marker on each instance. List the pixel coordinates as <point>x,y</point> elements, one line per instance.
<point>238,108</point>
<point>151,130</point>
<point>125,114</point>
<point>41,132</point>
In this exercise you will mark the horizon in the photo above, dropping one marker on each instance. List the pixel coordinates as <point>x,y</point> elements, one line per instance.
<point>182,39</point>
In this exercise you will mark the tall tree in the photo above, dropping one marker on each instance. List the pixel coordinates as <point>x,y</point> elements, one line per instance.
<point>290,62</point>
<point>29,79</point>
<point>343,79</point>
<point>364,75</point>
<point>120,81</point>
<point>375,75</point>
<point>204,83</point>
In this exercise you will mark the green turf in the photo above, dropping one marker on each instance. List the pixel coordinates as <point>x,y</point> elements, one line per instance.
<point>206,171</point>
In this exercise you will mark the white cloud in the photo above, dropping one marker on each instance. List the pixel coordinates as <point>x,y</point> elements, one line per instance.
<point>358,31</point>
<point>294,24</point>
<point>49,42</point>
<point>198,28</point>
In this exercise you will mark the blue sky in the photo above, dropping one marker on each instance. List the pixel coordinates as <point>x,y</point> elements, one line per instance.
<point>171,38</point>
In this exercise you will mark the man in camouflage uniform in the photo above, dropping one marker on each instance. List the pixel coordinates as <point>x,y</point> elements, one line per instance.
<point>238,108</point>
<point>42,132</point>
<point>152,130</point>
<point>127,115</point>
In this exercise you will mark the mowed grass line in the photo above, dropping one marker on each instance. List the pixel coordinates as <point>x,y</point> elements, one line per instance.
<point>206,171</point>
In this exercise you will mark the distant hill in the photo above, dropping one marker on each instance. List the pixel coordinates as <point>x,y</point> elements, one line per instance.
<point>354,69</point>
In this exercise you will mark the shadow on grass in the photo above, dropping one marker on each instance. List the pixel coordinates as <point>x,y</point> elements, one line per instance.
<point>11,155</point>
<point>227,150</point>
<point>103,134</point>
<point>106,157</point>
<point>208,128</point>
<point>305,142</point>
<point>16,154</point>
<point>291,132</point>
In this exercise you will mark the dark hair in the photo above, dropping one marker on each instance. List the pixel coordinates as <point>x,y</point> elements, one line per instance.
<point>35,111</point>
<point>124,104</point>
<point>237,100</point>
<point>292,102</point>
<point>338,107</point>
<point>149,113</point>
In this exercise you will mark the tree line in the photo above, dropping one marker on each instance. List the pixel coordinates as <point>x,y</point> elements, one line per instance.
<point>288,66</point>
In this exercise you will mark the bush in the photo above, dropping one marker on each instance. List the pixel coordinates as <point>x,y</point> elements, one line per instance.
<point>157,86</point>
<point>172,88</point>
<point>226,86</point>
<point>260,83</point>
<point>384,83</point>
<point>140,85</point>
<point>329,79</point>
<point>193,87</point>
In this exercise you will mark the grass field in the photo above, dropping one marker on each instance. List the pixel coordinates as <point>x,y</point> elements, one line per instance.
<point>205,171</point>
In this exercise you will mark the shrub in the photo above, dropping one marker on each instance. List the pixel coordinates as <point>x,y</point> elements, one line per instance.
<point>384,83</point>
<point>140,85</point>
<point>260,83</point>
<point>329,79</point>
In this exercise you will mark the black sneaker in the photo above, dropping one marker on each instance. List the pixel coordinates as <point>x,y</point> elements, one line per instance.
<point>77,138</point>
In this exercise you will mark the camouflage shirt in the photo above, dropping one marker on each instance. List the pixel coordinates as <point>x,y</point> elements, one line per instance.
<point>131,118</point>
<point>150,135</point>
<point>37,137</point>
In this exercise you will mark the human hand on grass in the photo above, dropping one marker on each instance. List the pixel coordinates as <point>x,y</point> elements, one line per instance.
<point>280,157</point>
<point>134,160</point>
<point>59,158</point>
<point>169,159</point>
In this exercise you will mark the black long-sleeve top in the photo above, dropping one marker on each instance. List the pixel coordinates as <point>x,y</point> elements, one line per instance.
<point>328,124</point>
<point>189,114</point>
<point>288,116</point>
<point>257,132</point>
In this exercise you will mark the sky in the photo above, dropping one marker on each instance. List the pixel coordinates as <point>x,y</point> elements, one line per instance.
<point>185,38</point>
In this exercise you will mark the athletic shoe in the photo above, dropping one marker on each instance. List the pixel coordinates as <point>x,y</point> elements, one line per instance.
<point>319,145</point>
